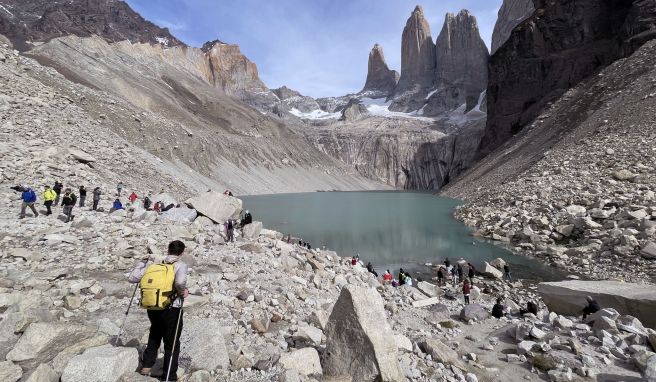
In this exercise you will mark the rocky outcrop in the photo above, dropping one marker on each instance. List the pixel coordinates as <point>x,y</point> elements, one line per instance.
<point>359,341</point>
<point>41,20</point>
<point>568,298</point>
<point>104,363</point>
<point>353,111</point>
<point>461,65</point>
<point>556,48</point>
<point>291,99</point>
<point>417,63</point>
<point>229,69</point>
<point>511,14</point>
<point>381,81</point>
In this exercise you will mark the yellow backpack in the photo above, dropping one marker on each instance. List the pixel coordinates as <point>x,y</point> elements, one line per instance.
<point>157,286</point>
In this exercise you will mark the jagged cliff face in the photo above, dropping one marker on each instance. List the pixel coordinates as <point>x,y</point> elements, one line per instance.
<point>511,14</point>
<point>461,65</point>
<point>381,81</point>
<point>229,69</point>
<point>561,44</point>
<point>40,20</point>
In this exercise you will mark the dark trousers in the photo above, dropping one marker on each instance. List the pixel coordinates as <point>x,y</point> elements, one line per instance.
<point>95,204</point>
<point>48,204</point>
<point>82,199</point>
<point>162,327</point>
<point>466,299</point>
<point>68,211</point>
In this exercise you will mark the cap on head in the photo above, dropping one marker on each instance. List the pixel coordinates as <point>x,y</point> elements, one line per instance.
<point>589,298</point>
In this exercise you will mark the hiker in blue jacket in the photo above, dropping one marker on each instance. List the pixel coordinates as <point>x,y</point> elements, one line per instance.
<point>29,198</point>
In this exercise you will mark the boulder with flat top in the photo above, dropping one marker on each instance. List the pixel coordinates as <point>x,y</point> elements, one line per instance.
<point>216,206</point>
<point>568,298</point>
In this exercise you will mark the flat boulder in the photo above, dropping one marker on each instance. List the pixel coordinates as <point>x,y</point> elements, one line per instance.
<point>359,340</point>
<point>216,206</point>
<point>492,272</point>
<point>203,346</point>
<point>252,231</point>
<point>649,251</point>
<point>474,312</point>
<point>42,341</point>
<point>43,373</point>
<point>568,298</point>
<point>441,353</point>
<point>81,156</point>
<point>498,263</point>
<point>101,364</point>
<point>9,372</point>
<point>181,215</point>
<point>304,361</point>
<point>430,290</point>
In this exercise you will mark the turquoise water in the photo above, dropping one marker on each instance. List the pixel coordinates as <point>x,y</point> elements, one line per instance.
<point>391,229</point>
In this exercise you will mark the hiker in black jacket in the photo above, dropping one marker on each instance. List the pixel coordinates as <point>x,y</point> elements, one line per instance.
<point>68,202</point>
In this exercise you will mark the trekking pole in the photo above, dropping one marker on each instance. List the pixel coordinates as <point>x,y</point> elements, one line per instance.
<point>120,331</point>
<point>175,339</point>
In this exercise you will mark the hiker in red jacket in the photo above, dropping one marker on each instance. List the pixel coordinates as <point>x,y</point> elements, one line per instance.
<point>465,291</point>
<point>133,196</point>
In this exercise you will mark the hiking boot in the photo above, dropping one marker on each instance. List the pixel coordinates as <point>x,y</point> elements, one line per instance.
<point>145,371</point>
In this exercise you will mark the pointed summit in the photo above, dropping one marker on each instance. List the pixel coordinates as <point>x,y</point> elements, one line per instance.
<point>381,81</point>
<point>511,14</point>
<point>461,63</point>
<point>417,52</point>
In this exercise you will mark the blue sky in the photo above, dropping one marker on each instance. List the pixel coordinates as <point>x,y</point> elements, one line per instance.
<point>318,47</point>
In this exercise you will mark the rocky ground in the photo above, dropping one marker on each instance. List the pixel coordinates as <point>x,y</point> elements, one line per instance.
<point>260,309</point>
<point>576,189</point>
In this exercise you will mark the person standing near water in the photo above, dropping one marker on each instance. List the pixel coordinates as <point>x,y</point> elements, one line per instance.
<point>440,276</point>
<point>465,291</point>
<point>472,273</point>
<point>461,273</point>
<point>454,275</point>
<point>447,262</point>
<point>506,271</point>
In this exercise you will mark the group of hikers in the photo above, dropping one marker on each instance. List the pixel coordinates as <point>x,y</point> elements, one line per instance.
<point>58,195</point>
<point>230,225</point>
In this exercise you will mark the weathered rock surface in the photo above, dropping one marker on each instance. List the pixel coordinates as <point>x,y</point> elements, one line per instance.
<point>461,65</point>
<point>216,206</point>
<point>305,361</point>
<point>43,373</point>
<point>359,341</point>
<point>10,372</point>
<point>553,50</point>
<point>381,81</point>
<point>41,342</point>
<point>568,297</point>
<point>101,364</point>
<point>353,111</point>
<point>203,346</point>
<point>511,14</point>
<point>441,353</point>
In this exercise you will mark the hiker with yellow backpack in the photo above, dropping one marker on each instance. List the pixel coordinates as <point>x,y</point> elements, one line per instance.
<point>163,289</point>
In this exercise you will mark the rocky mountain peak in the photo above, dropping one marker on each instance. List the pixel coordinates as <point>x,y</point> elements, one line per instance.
<point>417,51</point>
<point>230,69</point>
<point>380,79</point>
<point>511,14</point>
<point>41,20</point>
<point>211,44</point>
<point>461,64</point>
<point>284,92</point>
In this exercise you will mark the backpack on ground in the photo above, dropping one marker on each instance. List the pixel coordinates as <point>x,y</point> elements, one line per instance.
<point>157,286</point>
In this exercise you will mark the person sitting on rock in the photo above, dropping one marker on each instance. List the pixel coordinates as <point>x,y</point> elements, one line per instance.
<point>466,289</point>
<point>117,205</point>
<point>96,197</point>
<point>498,309</point>
<point>157,207</point>
<point>28,196</point>
<point>49,196</point>
<point>591,307</point>
<point>119,189</point>
<point>133,197</point>
<point>407,279</point>
<point>165,322</point>
<point>248,218</point>
<point>370,269</point>
<point>68,202</point>
<point>387,276</point>
<point>147,203</point>
<point>531,307</point>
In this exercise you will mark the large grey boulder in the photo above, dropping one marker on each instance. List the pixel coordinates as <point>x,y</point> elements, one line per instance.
<point>216,206</point>
<point>305,361</point>
<point>101,364</point>
<point>42,341</point>
<point>491,271</point>
<point>203,346</point>
<point>44,373</point>
<point>359,341</point>
<point>473,312</point>
<point>181,215</point>
<point>441,353</point>
<point>252,231</point>
<point>649,250</point>
<point>430,290</point>
<point>568,298</point>
<point>9,372</point>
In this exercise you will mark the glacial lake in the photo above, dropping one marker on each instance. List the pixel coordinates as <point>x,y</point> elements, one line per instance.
<point>391,229</point>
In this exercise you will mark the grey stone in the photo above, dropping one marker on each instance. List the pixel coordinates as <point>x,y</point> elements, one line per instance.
<point>216,206</point>
<point>251,231</point>
<point>441,353</point>
<point>359,341</point>
<point>44,373</point>
<point>101,364</point>
<point>474,312</point>
<point>305,361</point>
<point>203,346</point>
<point>10,372</point>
